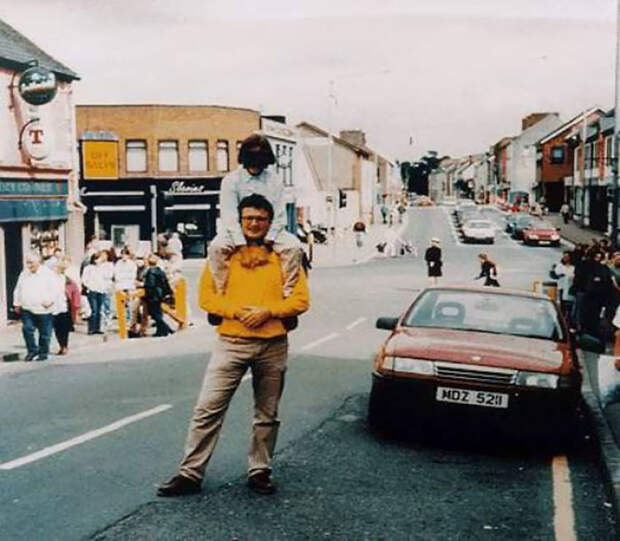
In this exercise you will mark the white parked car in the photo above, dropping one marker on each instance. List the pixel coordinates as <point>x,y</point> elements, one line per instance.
<point>479,231</point>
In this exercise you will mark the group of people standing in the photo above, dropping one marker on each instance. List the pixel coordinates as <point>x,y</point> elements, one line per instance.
<point>588,279</point>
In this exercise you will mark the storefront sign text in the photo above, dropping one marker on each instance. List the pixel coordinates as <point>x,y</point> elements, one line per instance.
<point>100,159</point>
<point>178,186</point>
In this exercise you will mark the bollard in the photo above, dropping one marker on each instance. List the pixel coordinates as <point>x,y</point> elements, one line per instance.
<point>549,289</point>
<point>179,312</point>
<point>121,300</point>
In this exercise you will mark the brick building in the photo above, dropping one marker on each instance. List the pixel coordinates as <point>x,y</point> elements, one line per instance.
<point>151,168</point>
<point>559,164</point>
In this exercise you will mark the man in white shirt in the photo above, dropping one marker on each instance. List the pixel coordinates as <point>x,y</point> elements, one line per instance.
<point>33,299</point>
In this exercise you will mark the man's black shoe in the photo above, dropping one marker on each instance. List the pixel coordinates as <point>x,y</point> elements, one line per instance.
<point>179,485</point>
<point>29,357</point>
<point>41,358</point>
<point>261,483</point>
<point>214,319</point>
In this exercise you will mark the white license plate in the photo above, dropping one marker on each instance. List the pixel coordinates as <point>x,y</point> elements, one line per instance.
<point>473,398</point>
<point>544,242</point>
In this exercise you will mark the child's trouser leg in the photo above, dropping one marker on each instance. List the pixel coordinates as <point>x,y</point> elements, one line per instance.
<point>220,250</point>
<point>288,248</point>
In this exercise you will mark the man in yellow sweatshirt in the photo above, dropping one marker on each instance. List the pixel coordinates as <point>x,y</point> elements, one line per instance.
<point>251,335</point>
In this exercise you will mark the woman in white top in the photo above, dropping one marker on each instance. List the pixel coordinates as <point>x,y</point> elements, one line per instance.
<point>96,283</point>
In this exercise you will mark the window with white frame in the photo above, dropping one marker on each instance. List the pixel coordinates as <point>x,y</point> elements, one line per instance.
<point>198,155</point>
<point>557,154</point>
<point>221,156</point>
<point>168,156</point>
<point>135,156</point>
<point>609,150</point>
<point>594,157</point>
<point>588,156</point>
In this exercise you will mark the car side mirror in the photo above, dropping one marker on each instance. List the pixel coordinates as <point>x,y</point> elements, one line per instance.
<point>386,323</point>
<point>590,343</point>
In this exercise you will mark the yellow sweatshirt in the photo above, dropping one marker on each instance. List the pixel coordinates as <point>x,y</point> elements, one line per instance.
<point>260,286</point>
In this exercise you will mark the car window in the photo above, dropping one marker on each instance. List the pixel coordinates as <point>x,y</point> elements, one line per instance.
<point>486,312</point>
<point>479,225</point>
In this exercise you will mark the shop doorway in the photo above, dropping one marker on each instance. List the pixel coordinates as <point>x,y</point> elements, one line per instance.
<point>14,257</point>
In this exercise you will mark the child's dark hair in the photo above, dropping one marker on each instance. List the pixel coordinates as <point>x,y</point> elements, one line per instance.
<point>256,151</point>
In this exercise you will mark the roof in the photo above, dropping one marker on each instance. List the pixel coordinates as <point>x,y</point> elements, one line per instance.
<point>488,290</point>
<point>337,139</point>
<point>17,51</point>
<point>156,105</point>
<point>568,125</point>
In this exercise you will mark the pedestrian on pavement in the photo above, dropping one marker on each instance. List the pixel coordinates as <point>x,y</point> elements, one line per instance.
<point>156,290</point>
<point>67,305</point>
<point>255,175</point>
<point>565,272</point>
<point>565,212</point>
<point>252,335</point>
<point>432,256</point>
<point>598,290</point>
<point>125,274</point>
<point>384,213</point>
<point>33,300</point>
<point>95,284</point>
<point>488,271</point>
<point>359,229</point>
<point>109,260</point>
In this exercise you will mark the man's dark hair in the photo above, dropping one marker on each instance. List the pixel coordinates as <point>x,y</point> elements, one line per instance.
<point>256,151</point>
<point>255,201</point>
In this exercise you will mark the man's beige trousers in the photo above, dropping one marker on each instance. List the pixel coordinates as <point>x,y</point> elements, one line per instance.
<point>231,358</point>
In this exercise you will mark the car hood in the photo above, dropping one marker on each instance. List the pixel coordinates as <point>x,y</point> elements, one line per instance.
<point>547,232</point>
<point>479,348</point>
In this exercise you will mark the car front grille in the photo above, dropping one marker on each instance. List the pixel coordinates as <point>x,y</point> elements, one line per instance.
<point>475,374</point>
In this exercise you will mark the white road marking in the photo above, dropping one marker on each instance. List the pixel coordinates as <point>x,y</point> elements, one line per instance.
<point>564,517</point>
<point>355,323</point>
<point>319,341</point>
<point>48,451</point>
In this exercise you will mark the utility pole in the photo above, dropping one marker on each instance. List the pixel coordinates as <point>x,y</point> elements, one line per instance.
<point>330,173</point>
<point>615,145</point>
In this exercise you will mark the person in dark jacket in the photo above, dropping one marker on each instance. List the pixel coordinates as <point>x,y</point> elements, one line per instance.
<point>156,289</point>
<point>488,271</point>
<point>432,256</point>
<point>598,290</point>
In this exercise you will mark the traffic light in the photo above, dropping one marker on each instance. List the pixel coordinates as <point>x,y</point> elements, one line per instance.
<point>342,198</point>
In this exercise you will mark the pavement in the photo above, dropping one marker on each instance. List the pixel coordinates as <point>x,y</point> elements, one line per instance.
<point>573,232</point>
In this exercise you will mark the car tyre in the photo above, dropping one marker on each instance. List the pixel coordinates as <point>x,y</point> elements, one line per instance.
<point>377,410</point>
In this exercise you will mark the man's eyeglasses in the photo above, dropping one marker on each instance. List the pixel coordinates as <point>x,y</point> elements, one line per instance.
<point>259,219</point>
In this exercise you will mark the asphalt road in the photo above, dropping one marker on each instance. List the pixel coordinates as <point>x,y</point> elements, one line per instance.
<point>337,480</point>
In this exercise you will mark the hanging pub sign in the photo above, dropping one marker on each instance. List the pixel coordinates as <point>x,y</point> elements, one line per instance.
<point>37,85</point>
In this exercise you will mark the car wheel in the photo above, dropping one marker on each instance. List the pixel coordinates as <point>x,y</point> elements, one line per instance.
<point>377,410</point>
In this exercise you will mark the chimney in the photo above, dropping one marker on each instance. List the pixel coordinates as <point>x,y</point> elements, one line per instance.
<point>532,119</point>
<point>355,137</point>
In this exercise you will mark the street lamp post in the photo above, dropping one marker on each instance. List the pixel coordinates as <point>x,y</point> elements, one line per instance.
<point>614,211</point>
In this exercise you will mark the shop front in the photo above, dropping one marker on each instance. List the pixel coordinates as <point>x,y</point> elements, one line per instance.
<point>134,212</point>
<point>33,215</point>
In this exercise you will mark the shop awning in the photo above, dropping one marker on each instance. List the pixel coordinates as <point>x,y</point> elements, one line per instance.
<point>32,210</point>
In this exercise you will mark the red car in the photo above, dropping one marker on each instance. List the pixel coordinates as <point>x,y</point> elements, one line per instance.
<point>479,356</point>
<point>541,233</point>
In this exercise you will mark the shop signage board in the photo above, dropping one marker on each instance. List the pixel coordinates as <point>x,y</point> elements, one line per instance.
<point>27,200</point>
<point>100,160</point>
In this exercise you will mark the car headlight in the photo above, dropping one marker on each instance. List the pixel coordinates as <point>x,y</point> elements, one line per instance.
<point>538,379</point>
<point>413,366</point>
<point>533,237</point>
<point>554,237</point>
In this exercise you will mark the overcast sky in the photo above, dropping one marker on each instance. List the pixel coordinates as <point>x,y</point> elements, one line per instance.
<point>456,75</point>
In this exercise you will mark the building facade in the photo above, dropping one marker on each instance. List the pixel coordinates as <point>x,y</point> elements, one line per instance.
<point>39,199</point>
<point>147,169</point>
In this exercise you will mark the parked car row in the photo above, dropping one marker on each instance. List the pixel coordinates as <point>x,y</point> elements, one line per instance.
<point>532,230</point>
<point>472,224</point>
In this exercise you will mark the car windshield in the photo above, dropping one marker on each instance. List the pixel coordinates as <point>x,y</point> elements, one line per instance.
<point>479,225</point>
<point>486,312</point>
<point>524,220</point>
<point>541,225</point>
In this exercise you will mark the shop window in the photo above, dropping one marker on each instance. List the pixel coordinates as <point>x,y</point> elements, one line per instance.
<point>198,155</point>
<point>135,156</point>
<point>222,156</point>
<point>168,156</point>
<point>557,155</point>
